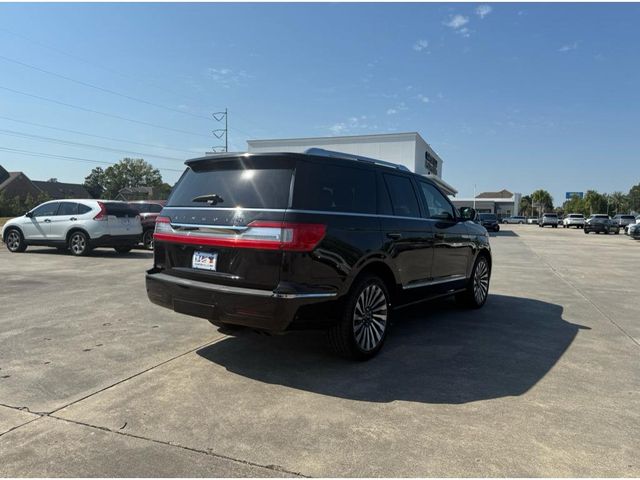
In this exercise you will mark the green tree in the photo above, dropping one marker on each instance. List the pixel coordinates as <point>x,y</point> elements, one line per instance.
<point>574,205</point>
<point>594,202</point>
<point>525,205</point>
<point>634,198</point>
<point>127,173</point>
<point>542,200</point>
<point>619,203</point>
<point>95,183</point>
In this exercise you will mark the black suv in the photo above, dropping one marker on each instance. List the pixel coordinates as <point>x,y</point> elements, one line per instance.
<point>489,221</point>
<point>320,240</point>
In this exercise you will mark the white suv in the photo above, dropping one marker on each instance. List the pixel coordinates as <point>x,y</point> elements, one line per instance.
<point>76,225</point>
<point>573,220</point>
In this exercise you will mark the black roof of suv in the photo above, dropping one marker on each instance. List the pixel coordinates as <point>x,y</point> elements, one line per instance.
<point>285,241</point>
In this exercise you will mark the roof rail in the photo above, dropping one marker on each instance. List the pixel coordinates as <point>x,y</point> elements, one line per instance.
<point>321,152</point>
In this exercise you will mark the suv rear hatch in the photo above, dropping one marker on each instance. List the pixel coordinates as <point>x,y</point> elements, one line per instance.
<point>121,218</point>
<point>224,221</point>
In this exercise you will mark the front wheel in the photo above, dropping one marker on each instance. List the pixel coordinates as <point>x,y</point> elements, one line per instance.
<point>477,289</point>
<point>15,241</point>
<point>362,328</point>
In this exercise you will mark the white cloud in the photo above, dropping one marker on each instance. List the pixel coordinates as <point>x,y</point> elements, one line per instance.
<point>392,111</point>
<point>420,45</point>
<point>457,21</point>
<point>355,123</point>
<point>483,10</point>
<point>465,32</point>
<point>423,98</point>
<point>400,107</point>
<point>227,77</point>
<point>568,47</point>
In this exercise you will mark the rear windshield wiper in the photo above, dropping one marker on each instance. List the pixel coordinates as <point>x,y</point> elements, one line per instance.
<point>211,199</point>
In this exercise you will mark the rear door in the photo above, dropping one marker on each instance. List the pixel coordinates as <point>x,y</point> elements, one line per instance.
<point>65,217</point>
<point>408,236</point>
<point>121,219</point>
<point>224,220</point>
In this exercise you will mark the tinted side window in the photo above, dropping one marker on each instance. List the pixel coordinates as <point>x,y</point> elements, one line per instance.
<point>437,205</point>
<point>82,209</point>
<point>155,208</point>
<point>46,210</point>
<point>67,208</point>
<point>403,198</point>
<point>334,188</point>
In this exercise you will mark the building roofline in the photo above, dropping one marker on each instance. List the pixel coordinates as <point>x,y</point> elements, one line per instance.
<point>336,138</point>
<point>495,200</point>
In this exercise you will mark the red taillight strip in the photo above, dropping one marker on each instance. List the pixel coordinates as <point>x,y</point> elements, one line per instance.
<point>299,237</point>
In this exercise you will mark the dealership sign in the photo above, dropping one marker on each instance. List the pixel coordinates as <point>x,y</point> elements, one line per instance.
<point>570,195</point>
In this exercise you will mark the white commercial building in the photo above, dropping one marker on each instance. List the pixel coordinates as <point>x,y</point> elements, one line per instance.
<point>408,149</point>
<point>503,203</point>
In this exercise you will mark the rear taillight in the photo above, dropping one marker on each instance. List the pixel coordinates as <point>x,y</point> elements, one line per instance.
<point>102,215</point>
<point>265,235</point>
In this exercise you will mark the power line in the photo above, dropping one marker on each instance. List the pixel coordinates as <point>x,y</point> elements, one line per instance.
<point>14,133</point>
<point>64,157</point>
<point>102,89</point>
<point>41,125</point>
<point>118,117</point>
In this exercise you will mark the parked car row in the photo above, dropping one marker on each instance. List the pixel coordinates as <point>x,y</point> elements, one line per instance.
<point>80,225</point>
<point>597,223</point>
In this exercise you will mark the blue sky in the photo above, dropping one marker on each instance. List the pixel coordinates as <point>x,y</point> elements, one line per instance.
<point>517,96</point>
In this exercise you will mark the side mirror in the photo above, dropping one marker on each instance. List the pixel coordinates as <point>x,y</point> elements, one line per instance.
<point>29,214</point>
<point>468,213</point>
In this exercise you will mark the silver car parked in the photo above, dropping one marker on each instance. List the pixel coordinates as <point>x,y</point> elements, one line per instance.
<point>75,225</point>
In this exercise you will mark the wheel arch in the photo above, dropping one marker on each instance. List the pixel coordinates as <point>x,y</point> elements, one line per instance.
<point>72,230</point>
<point>379,268</point>
<point>12,227</point>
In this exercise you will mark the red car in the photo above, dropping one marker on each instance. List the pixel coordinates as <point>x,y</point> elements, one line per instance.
<point>149,211</point>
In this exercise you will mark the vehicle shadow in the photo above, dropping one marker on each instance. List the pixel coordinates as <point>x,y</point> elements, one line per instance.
<point>435,353</point>
<point>504,233</point>
<point>96,253</point>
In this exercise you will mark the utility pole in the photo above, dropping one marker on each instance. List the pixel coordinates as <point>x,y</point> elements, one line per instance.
<point>221,132</point>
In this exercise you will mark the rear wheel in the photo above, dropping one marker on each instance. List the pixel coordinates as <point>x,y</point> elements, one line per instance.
<point>79,244</point>
<point>147,239</point>
<point>122,249</point>
<point>15,241</point>
<point>477,290</point>
<point>362,328</point>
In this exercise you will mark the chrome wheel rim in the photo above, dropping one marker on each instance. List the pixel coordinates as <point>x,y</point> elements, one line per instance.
<point>370,318</point>
<point>78,244</point>
<point>481,281</point>
<point>13,240</point>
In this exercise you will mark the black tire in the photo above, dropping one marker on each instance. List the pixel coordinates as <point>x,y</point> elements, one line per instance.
<point>79,244</point>
<point>521,223</point>
<point>497,229</point>
<point>586,232</point>
<point>147,239</point>
<point>14,240</point>
<point>477,291</point>
<point>360,336</point>
<point>617,232</point>
<point>123,249</point>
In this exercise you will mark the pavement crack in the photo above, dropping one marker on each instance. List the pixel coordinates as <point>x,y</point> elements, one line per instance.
<point>581,293</point>
<point>164,362</point>
<point>209,452</point>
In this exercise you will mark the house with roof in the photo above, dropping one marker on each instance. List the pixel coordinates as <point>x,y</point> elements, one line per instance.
<point>17,184</point>
<point>503,203</point>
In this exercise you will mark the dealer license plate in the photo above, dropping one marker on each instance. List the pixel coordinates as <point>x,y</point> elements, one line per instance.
<point>204,260</point>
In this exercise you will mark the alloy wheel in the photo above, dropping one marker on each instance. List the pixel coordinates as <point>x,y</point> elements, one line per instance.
<point>13,240</point>
<point>370,318</point>
<point>481,281</point>
<point>78,244</point>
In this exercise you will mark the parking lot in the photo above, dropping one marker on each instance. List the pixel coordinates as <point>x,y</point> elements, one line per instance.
<point>543,381</point>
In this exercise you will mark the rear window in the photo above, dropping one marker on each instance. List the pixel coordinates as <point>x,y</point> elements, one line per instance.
<point>403,197</point>
<point>233,187</point>
<point>333,188</point>
<point>120,209</point>
<point>550,215</point>
<point>576,216</point>
<point>628,217</point>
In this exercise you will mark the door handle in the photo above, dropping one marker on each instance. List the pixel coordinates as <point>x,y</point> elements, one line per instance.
<point>394,236</point>
<point>73,219</point>
<point>46,220</point>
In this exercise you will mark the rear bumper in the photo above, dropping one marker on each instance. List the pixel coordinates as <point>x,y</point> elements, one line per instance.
<point>115,240</point>
<point>267,310</point>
